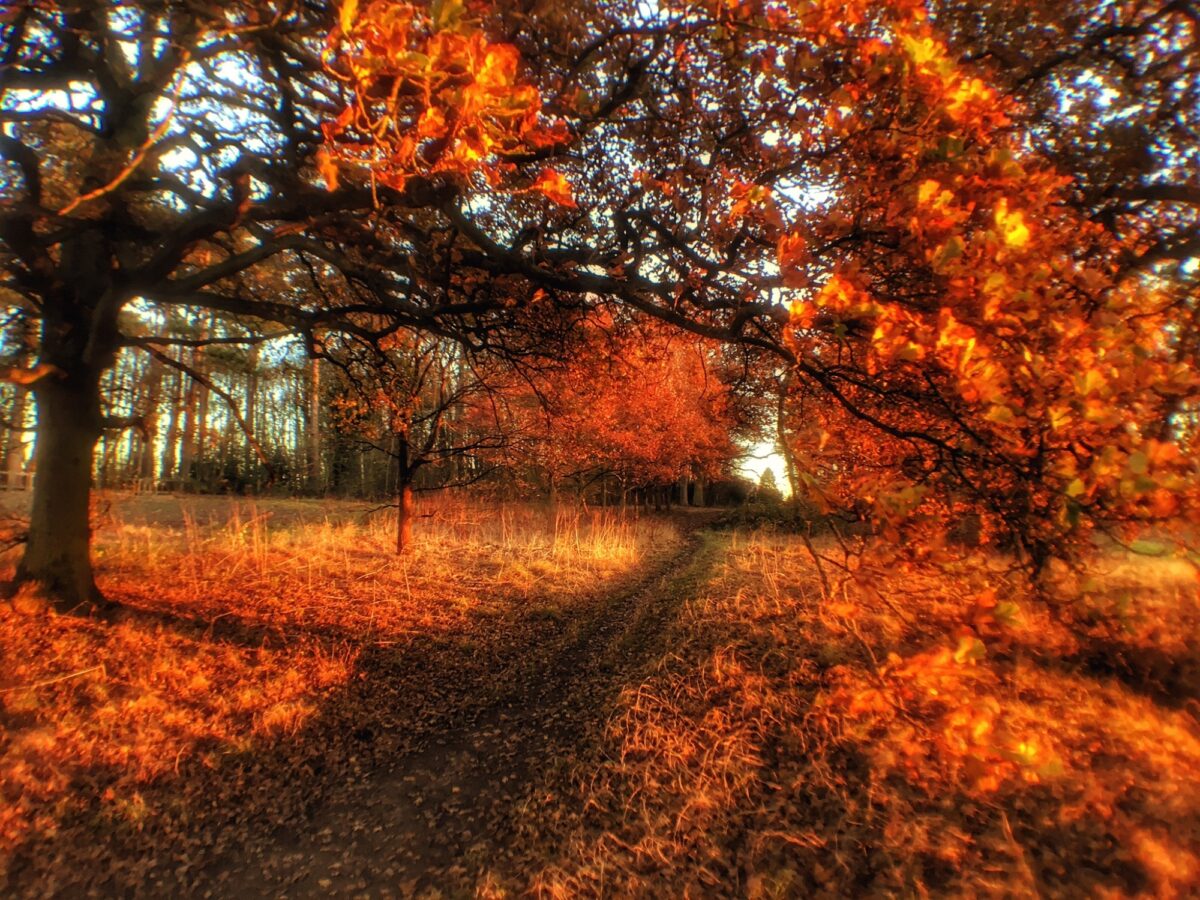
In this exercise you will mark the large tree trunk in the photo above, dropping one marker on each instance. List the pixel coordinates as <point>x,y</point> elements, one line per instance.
<point>57,559</point>
<point>81,295</point>
<point>404,518</point>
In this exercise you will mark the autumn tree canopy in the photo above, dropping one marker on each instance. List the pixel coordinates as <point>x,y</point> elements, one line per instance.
<point>843,186</point>
<point>927,215</point>
<point>164,156</point>
<point>645,406</point>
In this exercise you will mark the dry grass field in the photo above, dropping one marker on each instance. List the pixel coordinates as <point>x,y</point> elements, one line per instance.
<point>577,704</point>
<point>264,643</point>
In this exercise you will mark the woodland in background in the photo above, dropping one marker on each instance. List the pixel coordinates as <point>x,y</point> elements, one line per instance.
<point>626,420</point>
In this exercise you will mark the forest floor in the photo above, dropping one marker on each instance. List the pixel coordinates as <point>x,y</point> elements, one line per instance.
<point>580,704</point>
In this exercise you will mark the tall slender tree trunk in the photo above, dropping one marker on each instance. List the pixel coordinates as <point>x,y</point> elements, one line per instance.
<point>131,458</point>
<point>299,438</point>
<point>187,452</point>
<point>252,461</point>
<point>784,445</point>
<point>201,435</point>
<point>314,426</point>
<point>154,377</point>
<point>404,495</point>
<point>170,451</point>
<point>14,447</point>
<point>226,455</point>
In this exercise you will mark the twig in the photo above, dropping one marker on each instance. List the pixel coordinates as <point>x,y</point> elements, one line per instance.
<point>48,682</point>
<point>817,564</point>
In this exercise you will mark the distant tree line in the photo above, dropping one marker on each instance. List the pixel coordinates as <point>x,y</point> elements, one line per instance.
<point>211,405</point>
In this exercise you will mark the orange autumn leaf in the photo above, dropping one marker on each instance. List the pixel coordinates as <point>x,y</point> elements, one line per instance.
<point>791,251</point>
<point>327,168</point>
<point>1012,225</point>
<point>499,68</point>
<point>555,186</point>
<point>348,13</point>
<point>432,123</point>
<point>432,94</point>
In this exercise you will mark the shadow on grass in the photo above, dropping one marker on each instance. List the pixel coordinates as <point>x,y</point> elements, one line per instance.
<point>1171,679</point>
<point>727,773</point>
<point>569,753</point>
<point>426,731</point>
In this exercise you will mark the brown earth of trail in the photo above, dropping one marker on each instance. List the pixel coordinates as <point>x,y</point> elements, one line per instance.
<point>441,819</point>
